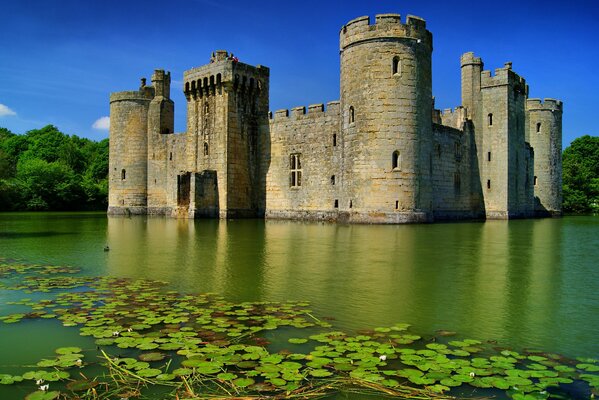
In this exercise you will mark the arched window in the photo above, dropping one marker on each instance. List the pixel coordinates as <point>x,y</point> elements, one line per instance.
<point>396,160</point>
<point>535,181</point>
<point>352,116</point>
<point>205,148</point>
<point>396,66</point>
<point>490,119</point>
<point>123,174</point>
<point>538,127</point>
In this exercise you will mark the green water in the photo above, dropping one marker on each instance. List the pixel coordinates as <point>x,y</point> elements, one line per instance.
<point>525,284</point>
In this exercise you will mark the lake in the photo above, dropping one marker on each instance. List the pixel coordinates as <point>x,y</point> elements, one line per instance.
<point>524,283</point>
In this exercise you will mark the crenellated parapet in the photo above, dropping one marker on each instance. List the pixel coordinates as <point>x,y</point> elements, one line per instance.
<point>502,77</point>
<point>313,110</point>
<point>386,26</point>
<point>224,70</point>
<point>453,118</point>
<point>544,105</point>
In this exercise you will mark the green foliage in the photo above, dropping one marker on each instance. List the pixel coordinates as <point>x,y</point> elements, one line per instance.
<point>44,169</point>
<point>581,175</point>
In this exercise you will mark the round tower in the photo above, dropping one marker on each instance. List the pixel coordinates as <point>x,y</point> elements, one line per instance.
<point>386,111</point>
<point>128,163</point>
<point>544,133</point>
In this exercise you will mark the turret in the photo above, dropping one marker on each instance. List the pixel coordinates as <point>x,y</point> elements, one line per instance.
<point>386,108</point>
<point>471,67</point>
<point>544,133</point>
<point>161,123</point>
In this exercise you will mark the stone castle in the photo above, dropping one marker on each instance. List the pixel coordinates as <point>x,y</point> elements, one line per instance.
<point>381,154</point>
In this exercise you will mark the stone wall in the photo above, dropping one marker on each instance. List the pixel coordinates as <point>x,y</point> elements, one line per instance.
<point>312,136</point>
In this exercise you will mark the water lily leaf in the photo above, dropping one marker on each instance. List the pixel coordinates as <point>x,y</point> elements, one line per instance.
<point>243,382</point>
<point>278,381</point>
<point>297,340</point>
<point>226,376</point>
<point>149,372</point>
<point>6,379</point>
<point>47,363</point>
<point>182,372</point>
<point>450,382</point>
<point>166,377</point>
<point>588,367</point>
<point>39,395</point>
<point>68,350</point>
<point>320,373</point>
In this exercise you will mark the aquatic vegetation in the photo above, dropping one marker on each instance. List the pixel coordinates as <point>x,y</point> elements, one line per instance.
<point>149,339</point>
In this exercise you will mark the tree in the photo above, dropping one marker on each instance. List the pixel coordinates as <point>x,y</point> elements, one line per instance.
<point>581,175</point>
<point>44,169</point>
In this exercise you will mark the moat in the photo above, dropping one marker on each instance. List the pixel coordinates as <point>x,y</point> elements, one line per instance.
<point>524,284</point>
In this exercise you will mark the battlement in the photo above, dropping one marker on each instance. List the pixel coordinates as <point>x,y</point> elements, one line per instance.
<point>224,69</point>
<point>332,108</point>
<point>544,105</point>
<point>503,76</point>
<point>451,117</point>
<point>385,26</point>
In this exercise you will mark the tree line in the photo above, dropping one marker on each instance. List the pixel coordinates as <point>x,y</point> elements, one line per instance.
<point>46,170</point>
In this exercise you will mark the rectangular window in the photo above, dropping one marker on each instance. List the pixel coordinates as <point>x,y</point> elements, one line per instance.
<point>334,139</point>
<point>535,181</point>
<point>488,184</point>
<point>295,168</point>
<point>336,203</point>
<point>489,156</point>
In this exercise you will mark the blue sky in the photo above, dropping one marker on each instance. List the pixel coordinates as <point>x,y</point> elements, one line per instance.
<point>60,59</point>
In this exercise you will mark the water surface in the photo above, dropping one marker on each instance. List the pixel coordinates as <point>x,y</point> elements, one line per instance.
<point>525,284</point>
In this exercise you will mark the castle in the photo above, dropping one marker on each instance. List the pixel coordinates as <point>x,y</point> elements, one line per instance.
<point>381,154</point>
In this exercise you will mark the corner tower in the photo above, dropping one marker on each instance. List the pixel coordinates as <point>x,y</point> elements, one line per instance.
<point>128,166</point>
<point>386,124</point>
<point>544,133</point>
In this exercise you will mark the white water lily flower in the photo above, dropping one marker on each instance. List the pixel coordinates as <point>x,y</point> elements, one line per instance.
<point>39,382</point>
<point>79,362</point>
<point>44,388</point>
<point>383,357</point>
<point>472,374</point>
<point>116,333</point>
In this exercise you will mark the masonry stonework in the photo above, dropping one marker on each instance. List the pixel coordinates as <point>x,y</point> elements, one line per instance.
<point>381,154</point>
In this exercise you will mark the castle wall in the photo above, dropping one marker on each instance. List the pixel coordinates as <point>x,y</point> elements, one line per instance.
<point>311,189</point>
<point>454,178</point>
